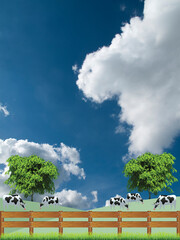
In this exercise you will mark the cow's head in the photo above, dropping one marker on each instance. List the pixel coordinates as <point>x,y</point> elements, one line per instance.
<point>23,206</point>
<point>138,196</point>
<point>41,204</point>
<point>22,203</point>
<point>156,204</point>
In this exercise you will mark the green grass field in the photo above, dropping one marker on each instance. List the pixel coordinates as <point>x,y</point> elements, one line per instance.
<point>147,206</point>
<point>95,236</point>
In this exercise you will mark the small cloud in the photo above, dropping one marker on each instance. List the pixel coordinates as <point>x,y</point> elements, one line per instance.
<point>113,115</point>
<point>122,8</point>
<point>4,110</point>
<point>135,13</point>
<point>127,157</point>
<point>94,193</point>
<point>84,99</point>
<point>75,69</point>
<point>73,199</point>
<point>120,129</point>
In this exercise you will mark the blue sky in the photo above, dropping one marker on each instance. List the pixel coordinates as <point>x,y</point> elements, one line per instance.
<point>88,85</point>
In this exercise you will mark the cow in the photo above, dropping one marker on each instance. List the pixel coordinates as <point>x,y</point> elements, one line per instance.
<point>134,197</point>
<point>50,200</point>
<point>118,201</point>
<point>14,200</point>
<point>165,200</point>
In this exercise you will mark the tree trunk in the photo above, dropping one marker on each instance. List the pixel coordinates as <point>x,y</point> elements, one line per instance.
<point>32,197</point>
<point>149,194</point>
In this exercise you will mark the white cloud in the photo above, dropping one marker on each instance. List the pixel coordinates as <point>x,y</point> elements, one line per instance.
<point>94,193</point>
<point>65,158</point>
<point>70,158</point>
<point>120,129</point>
<point>4,110</point>
<point>73,199</point>
<point>122,7</point>
<point>75,69</point>
<point>141,69</point>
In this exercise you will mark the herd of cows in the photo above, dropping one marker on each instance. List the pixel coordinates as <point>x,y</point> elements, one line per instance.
<point>16,200</point>
<point>162,200</point>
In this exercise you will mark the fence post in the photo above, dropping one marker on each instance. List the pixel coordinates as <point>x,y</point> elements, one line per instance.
<point>119,222</point>
<point>0,223</point>
<point>31,219</point>
<point>178,223</point>
<point>148,223</point>
<point>89,221</point>
<point>60,221</point>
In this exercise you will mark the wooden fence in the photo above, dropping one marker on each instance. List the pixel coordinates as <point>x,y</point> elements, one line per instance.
<point>90,224</point>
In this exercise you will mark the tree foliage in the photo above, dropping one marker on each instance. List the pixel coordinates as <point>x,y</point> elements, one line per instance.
<point>151,173</point>
<point>29,175</point>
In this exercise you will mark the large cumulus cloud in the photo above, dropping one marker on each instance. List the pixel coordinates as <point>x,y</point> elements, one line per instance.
<point>141,69</point>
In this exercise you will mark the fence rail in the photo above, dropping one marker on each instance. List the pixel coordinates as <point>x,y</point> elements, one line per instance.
<point>90,224</point>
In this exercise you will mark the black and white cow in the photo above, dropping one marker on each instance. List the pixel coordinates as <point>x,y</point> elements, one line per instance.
<point>118,201</point>
<point>14,200</point>
<point>47,201</point>
<point>134,197</point>
<point>165,200</point>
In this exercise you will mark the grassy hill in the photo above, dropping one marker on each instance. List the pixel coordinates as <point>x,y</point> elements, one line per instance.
<point>133,206</point>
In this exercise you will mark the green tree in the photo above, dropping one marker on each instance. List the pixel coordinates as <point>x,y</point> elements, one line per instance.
<point>150,173</point>
<point>29,175</point>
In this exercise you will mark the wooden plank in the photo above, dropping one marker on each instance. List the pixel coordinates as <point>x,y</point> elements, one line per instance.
<point>137,214</point>
<point>163,224</point>
<point>104,214</point>
<point>73,224</point>
<point>45,214</point>
<point>15,214</point>
<point>16,224</point>
<point>134,224</point>
<point>104,224</point>
<point>75,214</point>
<point>48,224</point>
<point>163,214</point>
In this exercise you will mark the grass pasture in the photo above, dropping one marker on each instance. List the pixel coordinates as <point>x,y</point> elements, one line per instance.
<point>147,206</point>
<point>95,236</point>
